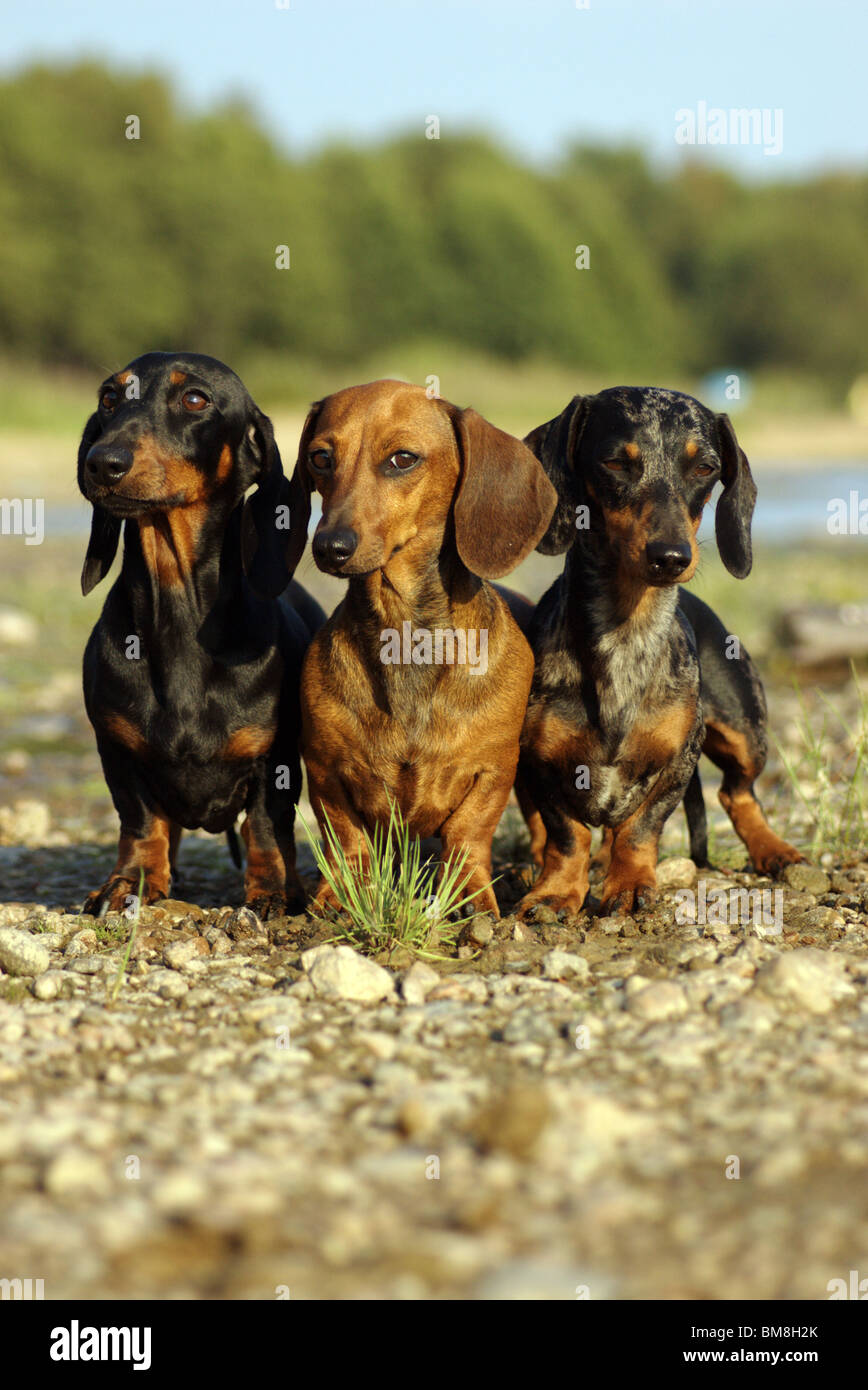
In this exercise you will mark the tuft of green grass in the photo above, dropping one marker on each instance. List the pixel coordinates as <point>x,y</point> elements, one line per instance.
<point>118,980</point>
<point>109,933</point>
<point>388,893</point>
<point>835,796</point>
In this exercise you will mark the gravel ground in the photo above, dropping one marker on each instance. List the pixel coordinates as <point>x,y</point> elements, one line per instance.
<point>646,1108</point>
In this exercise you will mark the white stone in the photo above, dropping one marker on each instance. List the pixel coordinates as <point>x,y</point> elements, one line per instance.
<point>48,986</point>
<point>74,1172</point>
<point>21,953</point>
<point>676,873</point>
<point>339,972</point>
<point>82,943</point>
<point>418,982</point>
<point>168,984</point>
<point>382,1045</point>
<point>661,1000</point>
<point>180,953</point>
<point>179,1191</point>
<point>807,978</point>
<point>559,965</point>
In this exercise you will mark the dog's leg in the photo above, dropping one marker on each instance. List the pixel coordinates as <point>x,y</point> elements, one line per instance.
<point>143,848</point>
<point>535,823</point>
<point>332,807</point>
<point>631,880</point>
<point>284,765</point>
<point>697,820</point>
<point>271,884</point>
<point>264,873</point>
<point>563,883</point>
<point>470,830</point>
<point>603,857</point>
<point>175,831</point>
<point>740,754</point>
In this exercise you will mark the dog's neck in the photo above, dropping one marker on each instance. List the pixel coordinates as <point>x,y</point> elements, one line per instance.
<point>617,632</point>
<point>182,567</point>
<point>425,583</point>
<point>438,595</point>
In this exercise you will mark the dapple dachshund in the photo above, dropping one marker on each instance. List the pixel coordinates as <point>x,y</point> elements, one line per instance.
<point>633,675</point>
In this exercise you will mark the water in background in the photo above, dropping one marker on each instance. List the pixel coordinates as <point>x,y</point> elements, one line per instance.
<point>794,505</point>
<point>791,505</point>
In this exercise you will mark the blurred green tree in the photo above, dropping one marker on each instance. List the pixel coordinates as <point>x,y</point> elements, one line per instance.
<point>110,245</point>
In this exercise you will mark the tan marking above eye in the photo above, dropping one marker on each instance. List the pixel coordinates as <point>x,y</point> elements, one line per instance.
<point>177,377</point>
<point>631,450</point>
<point>691,448</point>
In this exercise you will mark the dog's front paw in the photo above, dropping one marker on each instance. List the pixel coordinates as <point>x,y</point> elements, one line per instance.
<point>267,905</point>
<point>774,857</point>
<point>119,893</point>
<point>627,898</point>
<point>565,906</point>
<point>324,901</point>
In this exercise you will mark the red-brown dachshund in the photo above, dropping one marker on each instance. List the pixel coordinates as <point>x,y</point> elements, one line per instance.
<point>423,503</point>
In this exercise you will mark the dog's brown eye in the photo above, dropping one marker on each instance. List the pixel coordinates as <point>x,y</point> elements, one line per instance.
<point>320,460</point>
<point>402,460</point>
<point>703,470</point>
<point>616,465</point>
<point>109,398</point>
<point>194,400</point>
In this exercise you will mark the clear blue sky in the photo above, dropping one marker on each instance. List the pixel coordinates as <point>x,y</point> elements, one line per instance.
<point>534,73</point>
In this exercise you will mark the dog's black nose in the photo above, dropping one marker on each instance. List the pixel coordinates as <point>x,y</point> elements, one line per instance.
<point>667,561</point>
<point>334,547</point>
<point>108,463</point>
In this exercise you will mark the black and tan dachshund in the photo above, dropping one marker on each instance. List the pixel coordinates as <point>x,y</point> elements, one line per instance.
<point>635,676</point>
<point>191,674</point>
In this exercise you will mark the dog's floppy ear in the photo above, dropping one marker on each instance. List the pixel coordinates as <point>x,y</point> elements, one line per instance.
<point>300,489</point>
<point>735,505</point>
<point>263,521</point>
<point>556,444</point>
<point>105,529</point>
<point>504,501</point>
